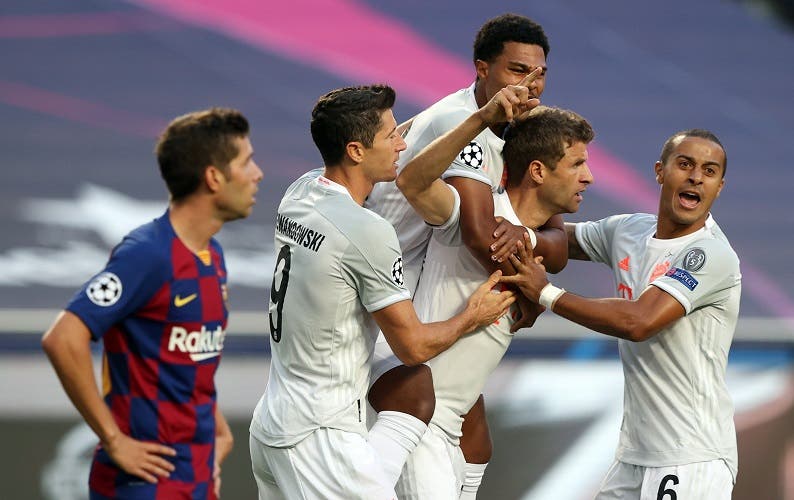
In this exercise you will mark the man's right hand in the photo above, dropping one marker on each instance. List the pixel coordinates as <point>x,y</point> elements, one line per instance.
<point>488,304</point>
<point>511,101</point>
<point>140,458</point>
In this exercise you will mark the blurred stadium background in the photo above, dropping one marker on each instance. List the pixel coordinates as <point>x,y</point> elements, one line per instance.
<point>86,85</point>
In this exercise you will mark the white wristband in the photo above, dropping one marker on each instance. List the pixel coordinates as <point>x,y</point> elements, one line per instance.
<point>549,295</point>
<point>533,239</point>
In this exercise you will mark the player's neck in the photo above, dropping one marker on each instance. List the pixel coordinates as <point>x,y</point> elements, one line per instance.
<point>193,224</point>
<point>351,179</point>
<point>529,209</point>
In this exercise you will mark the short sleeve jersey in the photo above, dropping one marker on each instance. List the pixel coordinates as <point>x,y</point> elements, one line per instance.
<point>480,160</point>
<point>677,409</point>
<point>336,263</point>
<point>161,313</point>
<point>451,274</point>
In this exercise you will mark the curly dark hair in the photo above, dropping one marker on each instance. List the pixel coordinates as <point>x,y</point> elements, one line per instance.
<point>491,38</point>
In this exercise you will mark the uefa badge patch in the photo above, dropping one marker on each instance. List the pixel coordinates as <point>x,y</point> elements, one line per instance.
<point>104,290</point>
<point>397,271</point>
<point>694,259</point>
<point>472,155</point>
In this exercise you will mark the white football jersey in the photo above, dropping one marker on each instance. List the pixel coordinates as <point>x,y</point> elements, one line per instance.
<point>336,263</point>
<point>480,160</point>
<point>677,409</point>
<point>451,274</point>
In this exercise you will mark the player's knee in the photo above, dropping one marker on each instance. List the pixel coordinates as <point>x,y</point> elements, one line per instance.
<point>407,389</point>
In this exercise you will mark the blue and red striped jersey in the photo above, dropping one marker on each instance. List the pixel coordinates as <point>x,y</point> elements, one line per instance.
<point>161,312</point>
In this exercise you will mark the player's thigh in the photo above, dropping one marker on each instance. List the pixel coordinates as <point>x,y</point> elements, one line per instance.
<point>434,470</point>
<point>336,464</point>
<point>710,480</point>
<point>383,359</point>
<point>265,481</point>
<point>622,482</point>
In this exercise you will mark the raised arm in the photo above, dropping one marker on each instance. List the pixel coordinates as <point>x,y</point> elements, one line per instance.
<point>414,342</point>
<point>420,180</point>
<point>67,344</point>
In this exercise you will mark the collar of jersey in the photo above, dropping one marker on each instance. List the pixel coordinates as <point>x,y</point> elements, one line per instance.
<point>327,183</point>
<point>683,239</point>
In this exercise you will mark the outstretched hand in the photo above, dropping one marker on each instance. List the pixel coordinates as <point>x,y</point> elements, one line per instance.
<point>140,458</point>
<point>511,101</point>
<point>530,275</point>
<point>489,304</point>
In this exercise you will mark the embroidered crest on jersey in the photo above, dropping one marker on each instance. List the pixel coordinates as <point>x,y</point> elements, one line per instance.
<point>694,259</point>
<point>397,271</point>
<point>682,276</point>
<point>472,155</point>
<point>624,264</point>
<point>104,290</point>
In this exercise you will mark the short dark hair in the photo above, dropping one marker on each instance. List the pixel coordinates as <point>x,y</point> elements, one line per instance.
<point>542,135</point>
<point>346,115</point>
<point>490,40</point>
<point>673,141</point>
<point>194,141</point>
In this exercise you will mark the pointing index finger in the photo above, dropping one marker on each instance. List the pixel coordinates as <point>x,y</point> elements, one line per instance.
<point>531,76</point>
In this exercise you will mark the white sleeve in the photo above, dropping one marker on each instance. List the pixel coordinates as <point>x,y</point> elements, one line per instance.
<point>449,232</point>
<point>373,265</point>
<point>703,271</point>
<point>596,237</point>
<point>469,161</point>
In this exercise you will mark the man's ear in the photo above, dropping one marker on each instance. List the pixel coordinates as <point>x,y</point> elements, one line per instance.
<point>481,67</point>
<point>536,171</point>
<point>658,168</point>
<point>356,151</point>
<point>213,178</point>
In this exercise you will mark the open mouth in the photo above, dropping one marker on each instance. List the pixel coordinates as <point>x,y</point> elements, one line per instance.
<point>689,199</point>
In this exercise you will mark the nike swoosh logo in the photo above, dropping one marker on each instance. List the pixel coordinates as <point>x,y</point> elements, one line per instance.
<point>181,301</point>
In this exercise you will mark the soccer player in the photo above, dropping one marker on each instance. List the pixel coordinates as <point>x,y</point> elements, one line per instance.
<point>679,284</point>
<point>159,305</point>
<point>545,156</point>
<point>338,278</point>
<point>506,49</point>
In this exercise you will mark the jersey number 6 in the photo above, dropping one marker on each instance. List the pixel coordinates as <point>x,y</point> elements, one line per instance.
<point>277,294</point>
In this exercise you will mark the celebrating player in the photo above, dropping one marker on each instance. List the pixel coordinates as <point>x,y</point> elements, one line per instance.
<point>506,49</point>
<point>679,285</point>
<point>338,278</point>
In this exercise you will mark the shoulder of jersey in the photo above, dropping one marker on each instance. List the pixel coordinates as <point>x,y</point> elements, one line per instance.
<point>149,243</point>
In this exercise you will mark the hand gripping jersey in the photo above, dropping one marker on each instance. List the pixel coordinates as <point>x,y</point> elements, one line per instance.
<point>451,274</point>
<point>161,313</point>
<point>676,406</point>
<point>336,263</point>
<point>480,160</point>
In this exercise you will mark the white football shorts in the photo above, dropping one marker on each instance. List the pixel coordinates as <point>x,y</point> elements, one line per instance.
<point>329,463</point>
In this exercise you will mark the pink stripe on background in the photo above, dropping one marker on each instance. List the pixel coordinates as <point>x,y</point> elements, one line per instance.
<point>342,37</point>
<point>91,23</point>
<point>79,110</point>
<point>617,181</point>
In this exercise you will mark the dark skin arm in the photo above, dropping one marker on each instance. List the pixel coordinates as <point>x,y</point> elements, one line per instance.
<point>481,236</point>
<point>574,250</point>
<point>634,320</point>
